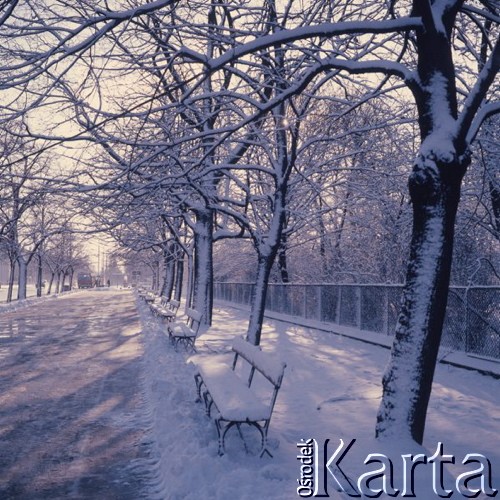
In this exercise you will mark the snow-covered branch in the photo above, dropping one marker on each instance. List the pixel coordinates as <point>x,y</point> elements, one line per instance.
<point>468,122</point>
<point>282,37</point>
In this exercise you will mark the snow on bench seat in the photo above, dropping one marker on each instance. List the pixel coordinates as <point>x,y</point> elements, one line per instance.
<point>234,400</point>
<point>168,309</point>
<point>182,330</point>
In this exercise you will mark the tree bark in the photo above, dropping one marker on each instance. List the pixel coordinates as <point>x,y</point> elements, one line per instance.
<point>259,295</point>
<point>49,288</point>
<point>203,264</point>
<point>282,260</point>
<point>179,278</point>
<point>155,268</point>
<point>22,278</point>
<point>12,272</point>
<point>58,281</point>
<point>190,283</point>
<point>407,382</point>
<point>267,251</point>
<point>39,276</point>
<point>169,272</point>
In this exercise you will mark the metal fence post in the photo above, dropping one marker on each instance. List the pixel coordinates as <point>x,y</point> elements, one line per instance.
<point>467,319</point>
<point>339,300</point>
<point>358,308</point>
<point>318,302</point>
<point>385,319</point>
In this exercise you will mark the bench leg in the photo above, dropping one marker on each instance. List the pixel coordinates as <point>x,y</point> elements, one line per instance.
<point>221,435</point>
<point>263,437</point>
<point>208,403</point>
<point>175,341</point>
<point>199,382</point>
<point>222,430</point>
<point>189,342</point>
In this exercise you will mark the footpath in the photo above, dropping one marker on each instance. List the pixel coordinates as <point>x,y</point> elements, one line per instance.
<point>70,396</point>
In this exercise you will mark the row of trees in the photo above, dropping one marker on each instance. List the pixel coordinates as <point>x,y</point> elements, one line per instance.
<point>36,220</point>
<point>277,123</point>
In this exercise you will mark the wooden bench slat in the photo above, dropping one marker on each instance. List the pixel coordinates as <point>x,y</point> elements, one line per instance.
<point>182,330</point>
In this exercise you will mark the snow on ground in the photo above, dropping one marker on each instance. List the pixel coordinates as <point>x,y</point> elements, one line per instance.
<point>30,291</point>
<point>331,390</point>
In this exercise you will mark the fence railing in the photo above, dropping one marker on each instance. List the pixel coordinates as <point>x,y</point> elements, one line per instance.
<point>472,322</point>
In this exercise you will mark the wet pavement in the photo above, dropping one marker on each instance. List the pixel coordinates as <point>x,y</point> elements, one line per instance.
<point>72,424</point>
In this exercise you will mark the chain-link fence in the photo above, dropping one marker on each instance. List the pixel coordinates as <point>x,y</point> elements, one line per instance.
<point>472,322</point>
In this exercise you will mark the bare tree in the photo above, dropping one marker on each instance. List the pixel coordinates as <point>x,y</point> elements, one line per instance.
<point>449,117</point>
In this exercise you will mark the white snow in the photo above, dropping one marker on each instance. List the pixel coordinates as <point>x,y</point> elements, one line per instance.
<point>331,390</point>
<point>439,144</point>
<point>30,292</point>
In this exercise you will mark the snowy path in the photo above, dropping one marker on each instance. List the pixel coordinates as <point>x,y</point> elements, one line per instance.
<point>70,399</point>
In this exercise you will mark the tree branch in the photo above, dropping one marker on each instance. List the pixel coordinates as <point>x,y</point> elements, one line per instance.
<point>473,102</point>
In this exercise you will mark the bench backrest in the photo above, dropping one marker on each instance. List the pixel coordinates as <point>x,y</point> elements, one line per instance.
<point>267,364</point>
<point>193,319</point>
<point>174,305</point>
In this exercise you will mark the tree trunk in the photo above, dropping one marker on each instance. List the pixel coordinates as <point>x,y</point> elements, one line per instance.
<point>259,295</point>
<point>169,272</point>
<point>12,272</point>
<point>39,276</point>
<point>282,260</point>
<point>203,265</point>
<point>407,382</point>
<point>71,276</point>
<point>58,282</point>
<point>190,288</point>
<point>22,280</point>
<point>179,278</point>
<point>434,187</point>
<point>49,288</point>
<point>267,251</point>
<point>155,268</point>
<point>325,267</point>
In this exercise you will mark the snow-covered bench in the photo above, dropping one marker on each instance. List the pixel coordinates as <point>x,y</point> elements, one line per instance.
<point>143,293</point>
<point>154,301</point>
<point>228,390</point>
<point>165,309</point>
<point>149,297</point>
<point>185,333</point>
